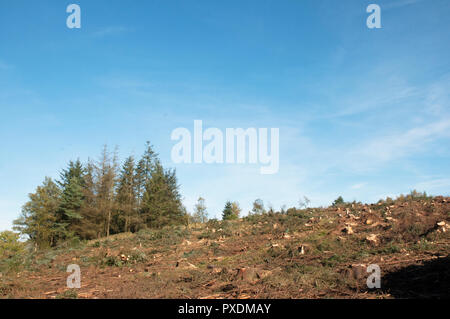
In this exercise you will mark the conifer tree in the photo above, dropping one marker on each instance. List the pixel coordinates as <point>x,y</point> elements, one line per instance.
<point>72,197</point>
<point>90,226</point>
<point>227,213</point>
<point>127,197</point>
<point>162,201</point>
<point>144,170</point>
<point>338,201</point>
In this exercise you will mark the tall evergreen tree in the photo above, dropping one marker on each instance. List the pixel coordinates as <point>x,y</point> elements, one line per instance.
<point>162,201</point>
<point>90,226</point>
<point>72,197</point>
<point>39,216</point>
<point>144,170</point>
<point>227,212</point>
<point>127,197</point>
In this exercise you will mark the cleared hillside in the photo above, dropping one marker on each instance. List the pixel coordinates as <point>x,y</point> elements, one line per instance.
<point>309,253</point>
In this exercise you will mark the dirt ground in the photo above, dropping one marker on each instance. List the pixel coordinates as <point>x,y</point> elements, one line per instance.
<point>308,253</point>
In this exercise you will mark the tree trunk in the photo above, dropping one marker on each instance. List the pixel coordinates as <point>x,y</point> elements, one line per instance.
<point>108,223</point>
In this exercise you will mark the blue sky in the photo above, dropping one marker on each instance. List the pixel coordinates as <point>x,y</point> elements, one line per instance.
<point>362,113</point>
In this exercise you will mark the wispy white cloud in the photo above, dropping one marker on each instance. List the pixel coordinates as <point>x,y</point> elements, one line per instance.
<point>386,148</point>
<point>392,91</point>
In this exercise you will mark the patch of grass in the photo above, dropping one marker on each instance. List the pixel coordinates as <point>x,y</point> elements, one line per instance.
<point>333,261</point>
<point>46,259</point>
<point>68,294</point>
<point>165,236</point>
<point>422,245</point>
<point>96,244</point>
<point>390,248</point>
<point>137,256</point>
<point>112,261</point>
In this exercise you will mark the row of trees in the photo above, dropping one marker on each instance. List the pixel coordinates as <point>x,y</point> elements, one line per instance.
<point>100,198</point>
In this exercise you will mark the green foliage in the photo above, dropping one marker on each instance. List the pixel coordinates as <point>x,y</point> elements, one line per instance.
<point>338,201</point>
<point>95,200</point>
<point>162,201</point>
<point>39,216</point>
<point>391,248</point>
<point>90,225</point>
<point>72,198</point>
<point>12,251</point>
<point>10,244</point>
<point>229,212</point>
<point>144,170</point>
<point>68,294</point>
<point>128,218</point>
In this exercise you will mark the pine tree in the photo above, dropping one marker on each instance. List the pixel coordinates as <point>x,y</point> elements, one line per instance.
<point>227,213</point>
<point>161,204</point>
<point>144,170</point>
<point>338,201</point>
<point>200,213</point>
<point>72,197</point>
<point>90,226</point>
<point>127,197</point>
<point>39,216</point>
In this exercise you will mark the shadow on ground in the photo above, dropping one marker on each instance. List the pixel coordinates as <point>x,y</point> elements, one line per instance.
<point>431,279</point>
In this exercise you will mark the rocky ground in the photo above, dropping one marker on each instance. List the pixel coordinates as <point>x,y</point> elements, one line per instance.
<point>309,253</point>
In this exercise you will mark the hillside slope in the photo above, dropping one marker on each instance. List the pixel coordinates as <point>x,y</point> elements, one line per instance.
<point>310,253</point>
